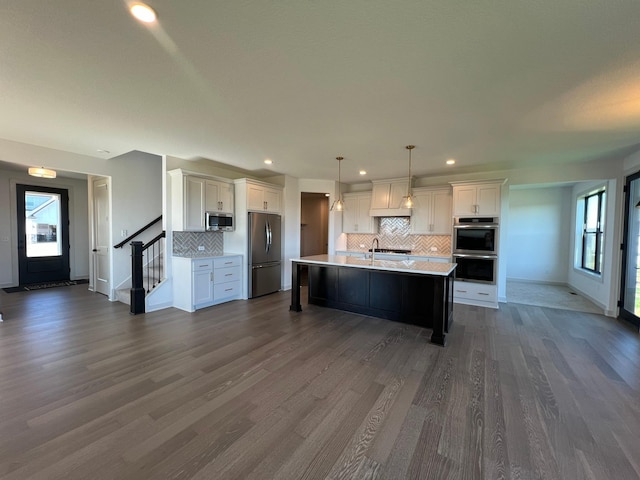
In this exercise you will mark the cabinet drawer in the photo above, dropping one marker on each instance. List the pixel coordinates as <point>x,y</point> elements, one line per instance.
<point>202,264</point>
<point>475,291</point>
<point>221,262</point>
<point>225,275</point>
<point>226,290</point>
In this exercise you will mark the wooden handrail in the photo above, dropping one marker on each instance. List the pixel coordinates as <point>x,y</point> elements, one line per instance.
<point>131,237</point>
<point>156,238</point>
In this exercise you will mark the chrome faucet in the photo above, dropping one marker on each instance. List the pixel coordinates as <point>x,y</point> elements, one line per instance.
<point>373,249</point>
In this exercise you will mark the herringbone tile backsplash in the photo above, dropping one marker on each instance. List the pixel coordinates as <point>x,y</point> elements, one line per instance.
<point>185,244</point>
<point>394,233</point>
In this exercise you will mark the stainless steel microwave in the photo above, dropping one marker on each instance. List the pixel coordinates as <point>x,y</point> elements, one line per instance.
<point>218,222</point>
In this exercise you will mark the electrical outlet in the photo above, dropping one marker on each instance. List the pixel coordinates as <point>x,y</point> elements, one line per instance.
<point>123,233</point>
<point>4,239</point>
<point>201,248</point>
<point>362,245</point>
<point>434,249</point>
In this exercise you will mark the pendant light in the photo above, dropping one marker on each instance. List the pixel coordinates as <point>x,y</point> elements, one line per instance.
<point>42,172</point>
<point>338,205</point>
<point>407,201</point>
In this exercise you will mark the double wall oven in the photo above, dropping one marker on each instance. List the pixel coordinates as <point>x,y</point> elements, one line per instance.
<point>475,249</point>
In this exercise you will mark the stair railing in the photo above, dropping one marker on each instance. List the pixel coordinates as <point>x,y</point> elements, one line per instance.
<point>147,263</point>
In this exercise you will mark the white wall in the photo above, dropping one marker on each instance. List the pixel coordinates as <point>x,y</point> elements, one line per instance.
<point>291,228</point>
<point>78,224</point>
<point>601,289</point>
<point>538,234</point>
<point>136,199</point>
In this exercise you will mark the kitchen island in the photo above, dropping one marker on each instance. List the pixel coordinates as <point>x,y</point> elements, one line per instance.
<point>419,293</point>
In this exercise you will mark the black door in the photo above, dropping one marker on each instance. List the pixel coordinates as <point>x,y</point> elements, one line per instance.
<point>630,284</point>
<point>43,234</point>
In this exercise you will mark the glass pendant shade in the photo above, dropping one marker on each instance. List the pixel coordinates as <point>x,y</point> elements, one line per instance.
<point>338,205</point>
<point>407,200</point>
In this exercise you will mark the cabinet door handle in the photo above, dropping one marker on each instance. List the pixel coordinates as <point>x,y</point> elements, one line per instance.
<point>482,293</point>
<point>228,274</point>
<point>461,291</point>
<point>228,289</point>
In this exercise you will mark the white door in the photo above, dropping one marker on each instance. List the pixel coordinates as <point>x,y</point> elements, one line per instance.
<point>101,248</point>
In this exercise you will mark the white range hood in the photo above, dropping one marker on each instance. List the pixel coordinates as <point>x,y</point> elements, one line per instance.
<point>386,197</point>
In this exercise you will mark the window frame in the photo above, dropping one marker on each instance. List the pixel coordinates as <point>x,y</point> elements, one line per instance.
<point>596,260</point>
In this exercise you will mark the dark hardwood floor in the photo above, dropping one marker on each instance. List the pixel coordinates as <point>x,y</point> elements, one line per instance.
<point>250,390</point>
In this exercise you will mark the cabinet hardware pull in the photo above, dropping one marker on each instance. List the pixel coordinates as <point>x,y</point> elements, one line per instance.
<point>482,293</point>
<point>228,274</point>
<point>461,291</point>
<point>228,289</point>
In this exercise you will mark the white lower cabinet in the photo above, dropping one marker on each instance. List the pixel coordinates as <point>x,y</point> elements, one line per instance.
<point>480,294</point>
<point>202,282</point>
<point>227,276</point>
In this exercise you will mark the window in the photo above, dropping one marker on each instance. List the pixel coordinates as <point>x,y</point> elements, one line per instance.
<point>592,208</point>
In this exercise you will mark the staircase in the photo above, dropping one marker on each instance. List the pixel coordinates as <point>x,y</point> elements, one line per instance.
<point>152,275</point>
<point>147,268</point>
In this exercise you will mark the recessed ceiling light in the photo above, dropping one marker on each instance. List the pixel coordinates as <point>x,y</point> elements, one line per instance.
<point>451,161</point>
<point>143,12</point>
<point>103,151</point>
<point>268,161</point>
<point>327,194</point>
<point>363,172</point>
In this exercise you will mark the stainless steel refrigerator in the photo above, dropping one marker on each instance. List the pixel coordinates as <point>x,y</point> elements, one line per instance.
<point>264,254</point>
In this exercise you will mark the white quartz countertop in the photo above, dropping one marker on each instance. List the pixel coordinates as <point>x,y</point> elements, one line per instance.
<point>198,255</point>
<point>405,266</point>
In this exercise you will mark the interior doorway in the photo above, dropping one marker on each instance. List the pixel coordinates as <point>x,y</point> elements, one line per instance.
<point>314,224</point>
<point>43,234</point>
<point>630,282</point>
<point>314,227</point>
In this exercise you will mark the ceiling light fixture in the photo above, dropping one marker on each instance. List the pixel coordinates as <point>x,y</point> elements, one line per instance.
<point>363,172</point>
<point>143,12</point>
<point>451,161</point>
<point>407,201</point>
<point>338,205</point>
<point>268,161</point>
<point>42,172</point>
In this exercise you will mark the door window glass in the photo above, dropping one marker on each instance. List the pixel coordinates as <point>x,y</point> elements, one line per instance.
<point>42,224</point>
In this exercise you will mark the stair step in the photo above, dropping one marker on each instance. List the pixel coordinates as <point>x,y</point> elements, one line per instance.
<point>124,294</point>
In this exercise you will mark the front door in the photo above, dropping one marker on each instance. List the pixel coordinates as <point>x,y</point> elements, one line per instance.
<point>43,234</point>
<point>630,291</point>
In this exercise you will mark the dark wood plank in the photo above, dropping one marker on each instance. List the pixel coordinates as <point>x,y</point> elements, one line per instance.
<point>251,390</point>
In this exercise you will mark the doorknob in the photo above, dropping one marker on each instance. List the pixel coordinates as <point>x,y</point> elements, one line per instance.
<point>95,250</point>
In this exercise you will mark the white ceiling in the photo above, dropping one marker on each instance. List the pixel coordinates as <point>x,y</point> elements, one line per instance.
<point>491,83</point>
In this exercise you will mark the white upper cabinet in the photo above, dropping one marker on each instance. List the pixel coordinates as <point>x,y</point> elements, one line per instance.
<point>192,196</point>
<point>431,211</point>
<point>262,197</point>
<point>386,197</point>
<point>194,204</point>
<point>355,216</point>
<point>477,199</point>
<point>218,197</point>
